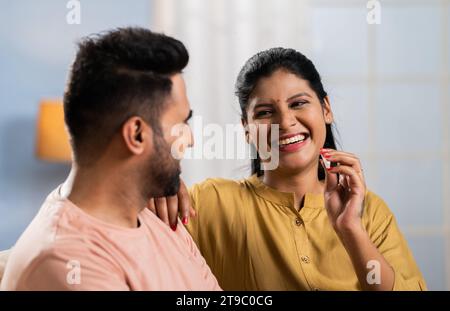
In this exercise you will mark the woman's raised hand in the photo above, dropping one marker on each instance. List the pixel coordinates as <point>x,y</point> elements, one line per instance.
<point>345,188</point>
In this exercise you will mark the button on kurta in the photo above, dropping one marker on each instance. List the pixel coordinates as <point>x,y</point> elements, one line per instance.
<point>306,259</point>
<point>298,222</point>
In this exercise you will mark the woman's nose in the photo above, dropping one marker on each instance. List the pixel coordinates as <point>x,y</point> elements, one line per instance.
<point>287,120</point>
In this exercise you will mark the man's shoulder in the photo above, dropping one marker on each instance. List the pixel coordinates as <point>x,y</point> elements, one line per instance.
<point>41,239</point>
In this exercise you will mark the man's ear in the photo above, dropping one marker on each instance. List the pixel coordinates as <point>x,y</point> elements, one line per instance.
<point>327,112</point>
<point>136,135</point>
<point>247,133</point>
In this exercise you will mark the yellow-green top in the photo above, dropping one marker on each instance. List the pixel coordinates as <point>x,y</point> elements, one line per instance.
<point>254,238</point>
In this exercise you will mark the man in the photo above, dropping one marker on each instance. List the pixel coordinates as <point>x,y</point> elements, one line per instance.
<point>125,95</point>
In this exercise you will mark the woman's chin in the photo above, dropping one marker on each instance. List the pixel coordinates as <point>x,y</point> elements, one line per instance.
<point>293,166</point>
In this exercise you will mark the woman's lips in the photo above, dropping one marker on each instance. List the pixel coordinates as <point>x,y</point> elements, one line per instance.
<point>294,147</point>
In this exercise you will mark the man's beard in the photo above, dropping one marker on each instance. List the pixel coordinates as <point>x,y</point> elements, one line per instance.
<point>162,174</point>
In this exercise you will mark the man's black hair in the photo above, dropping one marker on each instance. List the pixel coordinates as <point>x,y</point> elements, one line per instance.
<point>116,75</point>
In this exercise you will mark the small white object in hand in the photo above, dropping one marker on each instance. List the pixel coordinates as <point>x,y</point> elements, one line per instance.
<point>326,162</point>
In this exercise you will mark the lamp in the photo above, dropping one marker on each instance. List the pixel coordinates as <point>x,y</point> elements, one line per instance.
<point>52,140</point>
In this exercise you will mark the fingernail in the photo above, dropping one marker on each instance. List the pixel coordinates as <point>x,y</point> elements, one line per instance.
<point>185,220</point>
<point>174,227</point>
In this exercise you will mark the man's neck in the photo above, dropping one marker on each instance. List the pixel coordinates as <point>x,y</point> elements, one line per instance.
<point>104,195</point>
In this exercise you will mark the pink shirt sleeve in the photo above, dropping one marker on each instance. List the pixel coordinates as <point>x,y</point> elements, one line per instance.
<point>72,268</point>
<point>208,276</point>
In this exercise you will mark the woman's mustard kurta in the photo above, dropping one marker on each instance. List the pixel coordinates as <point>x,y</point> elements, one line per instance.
<point>254,238</point>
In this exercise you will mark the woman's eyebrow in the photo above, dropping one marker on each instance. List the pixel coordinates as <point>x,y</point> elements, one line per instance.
<point>298,95</point>
<point>263,105</point>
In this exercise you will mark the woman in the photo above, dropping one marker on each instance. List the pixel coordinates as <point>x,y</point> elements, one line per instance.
<point>299,226</point>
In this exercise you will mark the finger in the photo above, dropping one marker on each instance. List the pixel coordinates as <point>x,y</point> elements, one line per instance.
<point>347,159</point>
<point>192,212</point>
<point>346,181</point>
<point>161,209</point>
<point>184,203</point>
<point>151,205</point>
<point>344,158</point>
<point>172,210</point>
<point>344,184</point>
<point>354,181</point>
<point>331,180</point>
<point>332,151</point>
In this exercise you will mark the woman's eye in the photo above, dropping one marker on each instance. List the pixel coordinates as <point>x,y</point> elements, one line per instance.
<point>297,104</point>
<point>263,113</point>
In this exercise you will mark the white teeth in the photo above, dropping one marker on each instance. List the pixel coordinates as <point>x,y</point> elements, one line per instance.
<point>291,140</point>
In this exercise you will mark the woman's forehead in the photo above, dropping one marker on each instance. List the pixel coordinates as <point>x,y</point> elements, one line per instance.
<point>280,85</point>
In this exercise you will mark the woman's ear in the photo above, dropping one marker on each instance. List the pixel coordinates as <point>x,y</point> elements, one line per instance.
<point>135,133</point>
<point>327,112</point>
<point>247,134</point>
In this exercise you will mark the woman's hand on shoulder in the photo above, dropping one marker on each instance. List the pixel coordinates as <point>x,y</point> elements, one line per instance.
<point>169,208</point>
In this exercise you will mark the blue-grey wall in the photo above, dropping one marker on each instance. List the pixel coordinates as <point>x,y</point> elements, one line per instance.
<point>36,48</point>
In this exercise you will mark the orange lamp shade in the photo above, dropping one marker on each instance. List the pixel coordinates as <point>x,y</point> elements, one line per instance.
<point>52,141</point>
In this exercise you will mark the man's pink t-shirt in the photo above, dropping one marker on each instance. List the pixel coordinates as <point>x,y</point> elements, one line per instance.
<point>65,248</point>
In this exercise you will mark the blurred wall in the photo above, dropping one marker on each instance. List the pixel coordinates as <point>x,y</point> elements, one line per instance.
<point>36,48</point>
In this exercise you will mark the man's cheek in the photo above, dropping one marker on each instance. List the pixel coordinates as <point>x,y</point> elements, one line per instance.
<point>180,139</point>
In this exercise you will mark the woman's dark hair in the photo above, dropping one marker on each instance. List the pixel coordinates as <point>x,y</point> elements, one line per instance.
<point>263,64</point>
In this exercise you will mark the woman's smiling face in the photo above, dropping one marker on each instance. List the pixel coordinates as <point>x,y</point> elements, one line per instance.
<point>285,99</point>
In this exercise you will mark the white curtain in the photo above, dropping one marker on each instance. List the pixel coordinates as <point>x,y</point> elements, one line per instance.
<point>220,36</point>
